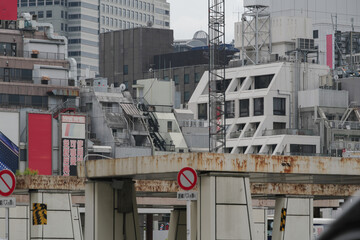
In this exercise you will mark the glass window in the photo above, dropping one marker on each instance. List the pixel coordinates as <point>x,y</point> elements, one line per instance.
<point>140,4</point>
<point>230,109</point>
<point>169,126</point>
<point>115,11</point>
<point>279,106</point>
<point>120,12</point>
<point>40,2</point>
<point>49,2</point>
<point>186,96</point>
<point>14,99</point>
<point>124,13</point>
<point>49,14</point>
<point>116,22</point>
<point>148,6</point>
<point>62,14</point>
<point>315,34</point>
<point>40,14</point>
<point>111,22</point>
<point>136,16</point>
<point>32,3</point>
<point>126,70</point>
<point>136,4</point>
<point>202,111</point>
<point>107,21</point>
<point>176,79</point>
<point>107,8</point>
<point>128,14</point>
<point>244,108</point>
<point>103,7</point>
<point>111,10</point>
<point>258,106</point>
<point>56,2</point>
<point>62,27</point>
<point>66,15</point>
<point>24,3</point>
<point>197,77</point>
<point>186,79</point>
<point>263,81</point>
<point>132,14</point>
<point>102,19</point>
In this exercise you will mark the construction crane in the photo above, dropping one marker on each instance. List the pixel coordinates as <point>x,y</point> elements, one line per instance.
<point>217,57</point>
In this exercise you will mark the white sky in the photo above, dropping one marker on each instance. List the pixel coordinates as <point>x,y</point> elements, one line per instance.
<point>189,16</point>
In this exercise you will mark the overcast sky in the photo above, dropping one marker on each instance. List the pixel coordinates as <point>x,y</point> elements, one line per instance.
<point>189,16</point>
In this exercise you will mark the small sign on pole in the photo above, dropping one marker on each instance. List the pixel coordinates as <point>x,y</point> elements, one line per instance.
<point>7,202</point>
<point>187,178</point>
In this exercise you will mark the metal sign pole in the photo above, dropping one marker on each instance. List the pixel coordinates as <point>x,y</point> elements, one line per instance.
<point>188,219</point>
<point>7,223</point>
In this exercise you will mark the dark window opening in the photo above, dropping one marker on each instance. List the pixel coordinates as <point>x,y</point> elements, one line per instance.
<point>279,106</point>
<point>244,107</point>
<point>258,106</point>
<point>279,125</point>
<point>301,149</point>
<point>315,34</point>
<point>230,109</point>
<point>202,111</point>
<point>263,81</point>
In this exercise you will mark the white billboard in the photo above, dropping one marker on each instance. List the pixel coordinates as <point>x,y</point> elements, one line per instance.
<point>10,125</point>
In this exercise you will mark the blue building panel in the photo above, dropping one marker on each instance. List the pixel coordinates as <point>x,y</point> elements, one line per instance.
<point>9,154</point>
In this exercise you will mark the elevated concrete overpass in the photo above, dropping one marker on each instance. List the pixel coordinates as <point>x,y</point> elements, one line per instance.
<point>227,182</point>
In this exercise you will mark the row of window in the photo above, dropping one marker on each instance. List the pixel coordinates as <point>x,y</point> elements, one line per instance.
<point>23,100</point>
<point>197,77</point>
<point>141,17</point>
<point>15,74</point>
<point>40,14</point>
<point>141,5</point>
<point>279,105</point>
<point>33,3</point>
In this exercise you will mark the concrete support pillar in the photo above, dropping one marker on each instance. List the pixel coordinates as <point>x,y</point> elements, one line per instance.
<point>177,228</point>
<point>224,207</point>
<point>111,211</point>
<point>149,226</point>
<point>62,218</point>
<point>298,220</point>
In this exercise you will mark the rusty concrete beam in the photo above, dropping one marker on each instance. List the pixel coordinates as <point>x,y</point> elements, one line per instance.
<point>261,189</point>
<point>41,182</point>
<point>157,186</point>
<point>154,167</point>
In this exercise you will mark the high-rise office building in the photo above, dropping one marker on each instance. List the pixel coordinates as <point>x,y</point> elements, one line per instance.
<point>81,21</point>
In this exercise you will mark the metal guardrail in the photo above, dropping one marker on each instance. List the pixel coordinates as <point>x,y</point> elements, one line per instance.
<point>288,131</point>
<point>344,125</point>
<point>235,134</point>
<point>249,133</point>
<point>194,123</point>
<point>44,55</point>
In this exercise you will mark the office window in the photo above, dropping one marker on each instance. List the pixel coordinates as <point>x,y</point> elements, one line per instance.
<point>116,23</point>
<point>116,11</point>
<point>140,17</point>
<point>24,3</point>
<point>140,4</point>
<point>167,24</point>
<point>66,27</point>
<point>126,70</point>
<point>40,2</point>
<point>56,2</point>
<point>62,14</point>
<point>244,108</point>
<point>66,15</point>
<point>169,126</point>
<point>107,21</point>
<point>120,24</point>
<point>152,7</point>
<point>279,106</point>
<point>62,27</point>
<point>128,13</point>
<point>103,7</point>
<point>148,6</point>
<point>263,81</point>
<point>202,111</point>
<point>111,22</point>
<point>32,3</point>
<point>136,16</point>
<point>136,4</point>
<point>102,19</point>
<point>230,109</point>
<point>107,8</point>
<point>111,10</point>
<point>186,79</point>
<point>258,106</point>
<point>124,13</point>
<point>196,77</point>
<point>186,96</point>
<point>49,14</point>
<point>49,2</point>
<point>40,14</point>
<point>279,125</point>
<point>132,14</point>
<point>176,79</point>
<point>315,34</point>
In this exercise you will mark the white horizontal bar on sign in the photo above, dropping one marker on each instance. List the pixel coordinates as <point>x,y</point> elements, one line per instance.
<point>8,202</point>
<point>187,195</point>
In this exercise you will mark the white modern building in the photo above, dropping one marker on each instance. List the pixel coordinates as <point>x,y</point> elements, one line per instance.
<point>264,105</point>
<point>82,21</point>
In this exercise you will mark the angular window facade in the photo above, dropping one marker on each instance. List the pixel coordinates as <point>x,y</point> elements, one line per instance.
<point>279,106</point>
<point>258,106</point>
<point>202,111</point>
<point>244,108</point>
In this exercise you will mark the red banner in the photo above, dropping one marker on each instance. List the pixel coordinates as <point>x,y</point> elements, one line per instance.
<point>39,143</point>
<point>8,9</point>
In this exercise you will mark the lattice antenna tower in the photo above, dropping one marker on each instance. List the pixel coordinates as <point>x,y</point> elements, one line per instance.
<point>217,131</point>
<point>256,32</point>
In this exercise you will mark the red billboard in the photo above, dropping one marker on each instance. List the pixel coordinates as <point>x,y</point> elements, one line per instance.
<point>39,143</point>
<point>8,9</point>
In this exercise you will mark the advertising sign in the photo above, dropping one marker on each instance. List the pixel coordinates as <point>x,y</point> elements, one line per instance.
<point>8,10</point>
<point>40,142</point>
<point>72,142</point>
<point>9,154</point>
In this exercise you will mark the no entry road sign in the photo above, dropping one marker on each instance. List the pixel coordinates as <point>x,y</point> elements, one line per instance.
<point>7,182</point>
<point>187,178</point>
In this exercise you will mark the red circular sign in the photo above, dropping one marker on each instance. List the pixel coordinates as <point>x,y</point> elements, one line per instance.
<point>187,178</point>
<point>7,182</point>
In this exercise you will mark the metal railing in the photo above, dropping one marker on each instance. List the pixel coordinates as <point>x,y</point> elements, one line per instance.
<point>288,131</point>
<point>249,133</point>
<point>194,123</point>
<point>44,55</point>
<point>349,145</point>
<point>235,134</point>
<point>336,124</point>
